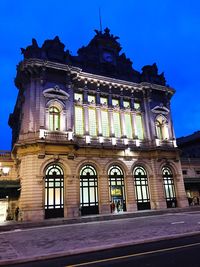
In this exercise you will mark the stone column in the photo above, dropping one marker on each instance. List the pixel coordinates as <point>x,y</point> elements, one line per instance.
<point>156,188</point>
<point>86,120</point>
<point>147,119</point>
<point>133,118</point>
<point>123,124</point>
<point>71,196</point>
<point>99,127</point>
<point>182,201</point>
<point>131,204</point>
<point>104,197</point>
<point>32,190</point>
<point>110,117</point>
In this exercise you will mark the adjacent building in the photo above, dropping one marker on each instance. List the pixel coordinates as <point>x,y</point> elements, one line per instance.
<point>91,135</point>
<point>190,161</point>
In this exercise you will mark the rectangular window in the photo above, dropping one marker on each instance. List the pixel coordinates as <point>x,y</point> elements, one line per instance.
<point>198,172</point>
<point>115,102</point>
<point>79,120</point>
<point>117,125</point>
<point>92,122</point>
<point>91,99</point>
<point>126,104</point>
<point>139,127</point>
<point>103,100</point>
<point>105,123</point>
<point>184,172</point>
<point>137,105</point>
<point>128,125</point>
<point>78,97</point>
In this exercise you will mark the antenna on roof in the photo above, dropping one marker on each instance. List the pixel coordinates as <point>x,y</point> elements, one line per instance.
<point>100,19</point>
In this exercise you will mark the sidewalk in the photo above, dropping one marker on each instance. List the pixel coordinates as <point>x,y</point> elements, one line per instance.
<point>33,241</point>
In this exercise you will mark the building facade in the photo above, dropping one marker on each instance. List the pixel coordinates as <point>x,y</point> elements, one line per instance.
<point>91,135</point>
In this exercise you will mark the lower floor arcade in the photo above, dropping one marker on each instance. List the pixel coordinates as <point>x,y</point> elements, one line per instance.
<point>62,186</point>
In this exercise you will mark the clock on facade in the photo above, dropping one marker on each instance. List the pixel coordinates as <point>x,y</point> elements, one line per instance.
<point>108,57</point>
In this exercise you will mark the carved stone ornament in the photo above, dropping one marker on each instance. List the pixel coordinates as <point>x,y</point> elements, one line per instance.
<point>160,109</point>
<point>56,92</point>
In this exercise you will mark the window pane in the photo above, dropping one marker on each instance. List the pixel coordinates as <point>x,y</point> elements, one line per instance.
<point>56,122</point>
<point>92,194</point>
<point>128,126</point>
<point>104,100</point>
<point>78,97</point>
<point>159,131</point>
<point>51,128</point>
<point>92,122</point>
<point>139,127</point>
<point>91,98</point>
<point>116,122</point>
<point>57,196</point>
<point>104,123</point>
<point>126,104</point>
<point>79,120</point>
<point>115,102</point>
<point>136,105</point>
<point>85,195</point>
<point>50,196</point>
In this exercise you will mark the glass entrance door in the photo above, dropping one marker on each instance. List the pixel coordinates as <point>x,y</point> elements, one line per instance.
<point>117,192</point>
<point>54,189</point>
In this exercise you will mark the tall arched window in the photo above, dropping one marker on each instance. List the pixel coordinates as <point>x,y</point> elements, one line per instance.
<point>117,190</point>
<point>54,119</point>
<point>54,192</point>
<point>170,193</point>
<point>141,188</point>
<point>161,128</point>
<point>88,191</point>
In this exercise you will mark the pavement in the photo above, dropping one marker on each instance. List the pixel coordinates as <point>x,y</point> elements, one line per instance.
<point>24,241</point>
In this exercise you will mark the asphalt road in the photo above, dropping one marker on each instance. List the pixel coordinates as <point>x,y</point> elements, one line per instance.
<point>179,252</point>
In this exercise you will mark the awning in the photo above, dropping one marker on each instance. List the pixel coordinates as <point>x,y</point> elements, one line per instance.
<point>4,184</point>
<point>192,180</point>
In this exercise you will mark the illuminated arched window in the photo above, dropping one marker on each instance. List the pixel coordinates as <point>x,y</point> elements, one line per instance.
<point>141,188</point>
<point>88,190</point>
<point>170,193</point>
<point>54,192</point>
<point>54,119</point>
<point>117,190</point>
<point>161,128</point>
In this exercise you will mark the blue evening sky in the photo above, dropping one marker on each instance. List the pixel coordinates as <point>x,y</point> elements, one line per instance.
<point>163,31</point>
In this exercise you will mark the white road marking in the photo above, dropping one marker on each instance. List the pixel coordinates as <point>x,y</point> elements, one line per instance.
<point>134,255</point>
<point>177,222</point>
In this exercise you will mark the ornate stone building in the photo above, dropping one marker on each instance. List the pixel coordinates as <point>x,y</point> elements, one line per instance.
<point>91,134</point>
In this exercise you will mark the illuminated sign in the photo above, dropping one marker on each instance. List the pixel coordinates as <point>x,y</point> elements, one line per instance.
<point>116,191</point>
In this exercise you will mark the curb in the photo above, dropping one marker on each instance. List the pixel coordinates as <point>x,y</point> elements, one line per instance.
<point>95,249</point>
<point>96,218</point>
